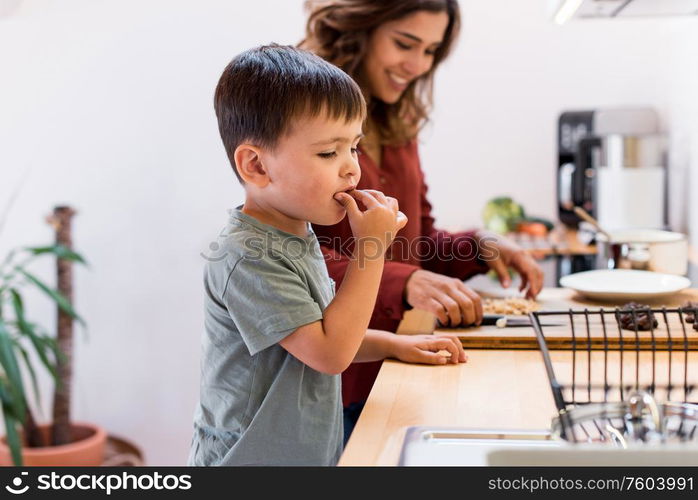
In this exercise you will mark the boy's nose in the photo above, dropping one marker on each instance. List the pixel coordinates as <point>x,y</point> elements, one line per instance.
<point>352,177</point>
<point>352,169</point>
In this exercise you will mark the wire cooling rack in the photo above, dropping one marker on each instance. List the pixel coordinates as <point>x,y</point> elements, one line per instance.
<point>624,374</point>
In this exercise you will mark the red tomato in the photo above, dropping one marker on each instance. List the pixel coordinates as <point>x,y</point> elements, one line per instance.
<point>535,229</point>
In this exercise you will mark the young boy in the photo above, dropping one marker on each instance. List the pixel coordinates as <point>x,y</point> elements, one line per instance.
<point>276,336</point>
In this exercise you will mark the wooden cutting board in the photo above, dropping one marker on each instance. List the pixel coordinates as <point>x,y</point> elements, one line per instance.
<point>575,332</point>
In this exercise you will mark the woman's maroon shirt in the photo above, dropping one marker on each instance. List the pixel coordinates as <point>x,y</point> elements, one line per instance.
<point>419,245</point>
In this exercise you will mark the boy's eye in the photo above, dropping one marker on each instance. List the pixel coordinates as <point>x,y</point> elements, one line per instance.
<point>331,154</point>
<point>355,151</point>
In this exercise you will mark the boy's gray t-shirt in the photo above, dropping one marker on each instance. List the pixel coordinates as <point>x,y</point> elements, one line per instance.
<point>259,405</point>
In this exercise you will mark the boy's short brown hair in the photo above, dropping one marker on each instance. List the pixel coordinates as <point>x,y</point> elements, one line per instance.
<point>263,89</point>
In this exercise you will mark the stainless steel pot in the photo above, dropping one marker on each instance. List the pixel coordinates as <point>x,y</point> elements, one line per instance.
<point>644,249</point>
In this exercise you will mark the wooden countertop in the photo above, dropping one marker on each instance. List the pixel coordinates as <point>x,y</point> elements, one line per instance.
<point>563,299</point>
<point>503,389</point>
<point>494,389</point>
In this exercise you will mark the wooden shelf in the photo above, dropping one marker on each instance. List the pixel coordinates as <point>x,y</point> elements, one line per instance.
<point>560,241</point>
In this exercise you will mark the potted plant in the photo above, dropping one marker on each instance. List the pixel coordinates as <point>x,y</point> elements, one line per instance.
<point>26,346</point>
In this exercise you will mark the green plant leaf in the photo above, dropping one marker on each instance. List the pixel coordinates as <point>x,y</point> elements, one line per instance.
<point>32,373</point>
<point>8,360</point>
<point>57,296</point>
<point>60,251</point>
<point>48,340</point>
<point>5,397</point>
<point>8,258</point>
<point>40,344</point>
<point>13,440</point>
<point>51,343</point>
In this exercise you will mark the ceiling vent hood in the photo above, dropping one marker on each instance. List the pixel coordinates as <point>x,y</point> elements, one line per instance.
<point>595,9</point>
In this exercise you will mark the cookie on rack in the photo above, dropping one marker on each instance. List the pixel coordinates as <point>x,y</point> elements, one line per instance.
<point>634,316</point>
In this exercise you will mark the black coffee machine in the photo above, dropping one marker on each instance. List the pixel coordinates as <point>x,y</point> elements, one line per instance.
<point>579,143</point>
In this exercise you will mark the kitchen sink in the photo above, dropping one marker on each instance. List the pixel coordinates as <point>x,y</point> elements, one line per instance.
<point>444,446</point>
<point>457,446</point>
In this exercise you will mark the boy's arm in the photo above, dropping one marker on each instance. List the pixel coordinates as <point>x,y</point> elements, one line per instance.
<point>436,349</point>
<point>329,346</point>
<point>390,302</point>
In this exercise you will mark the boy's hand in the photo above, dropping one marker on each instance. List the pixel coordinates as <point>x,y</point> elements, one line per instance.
<point>429,349</point>
<point>378,224</point>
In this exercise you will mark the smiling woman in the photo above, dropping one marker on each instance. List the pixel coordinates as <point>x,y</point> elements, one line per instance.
<point>392,49</point>
<point>389,52</point>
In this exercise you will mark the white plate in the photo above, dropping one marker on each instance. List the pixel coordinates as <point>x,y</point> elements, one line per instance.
<point>624,284</point>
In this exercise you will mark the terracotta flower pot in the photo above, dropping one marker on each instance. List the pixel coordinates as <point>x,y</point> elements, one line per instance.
<point>86,450</point>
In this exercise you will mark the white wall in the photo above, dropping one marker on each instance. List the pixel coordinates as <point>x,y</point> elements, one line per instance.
<point>498,98</point>
<point>108,107</point>
<point>680,75</point>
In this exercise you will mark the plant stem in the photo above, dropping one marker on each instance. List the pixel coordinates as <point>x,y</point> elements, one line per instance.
<point>34,438</point>
<point>62,431</point>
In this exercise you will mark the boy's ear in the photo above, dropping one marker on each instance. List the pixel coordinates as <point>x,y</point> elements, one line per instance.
<point>249,165</point>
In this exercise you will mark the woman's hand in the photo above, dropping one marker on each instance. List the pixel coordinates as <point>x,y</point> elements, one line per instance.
<point>501,253</point>
<point>429,349</point>
<point>451,301</point>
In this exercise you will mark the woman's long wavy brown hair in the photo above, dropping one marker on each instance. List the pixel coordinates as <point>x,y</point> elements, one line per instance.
<point>338,31</point>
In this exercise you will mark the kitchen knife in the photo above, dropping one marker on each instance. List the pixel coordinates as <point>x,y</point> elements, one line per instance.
<point>502,321</point>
